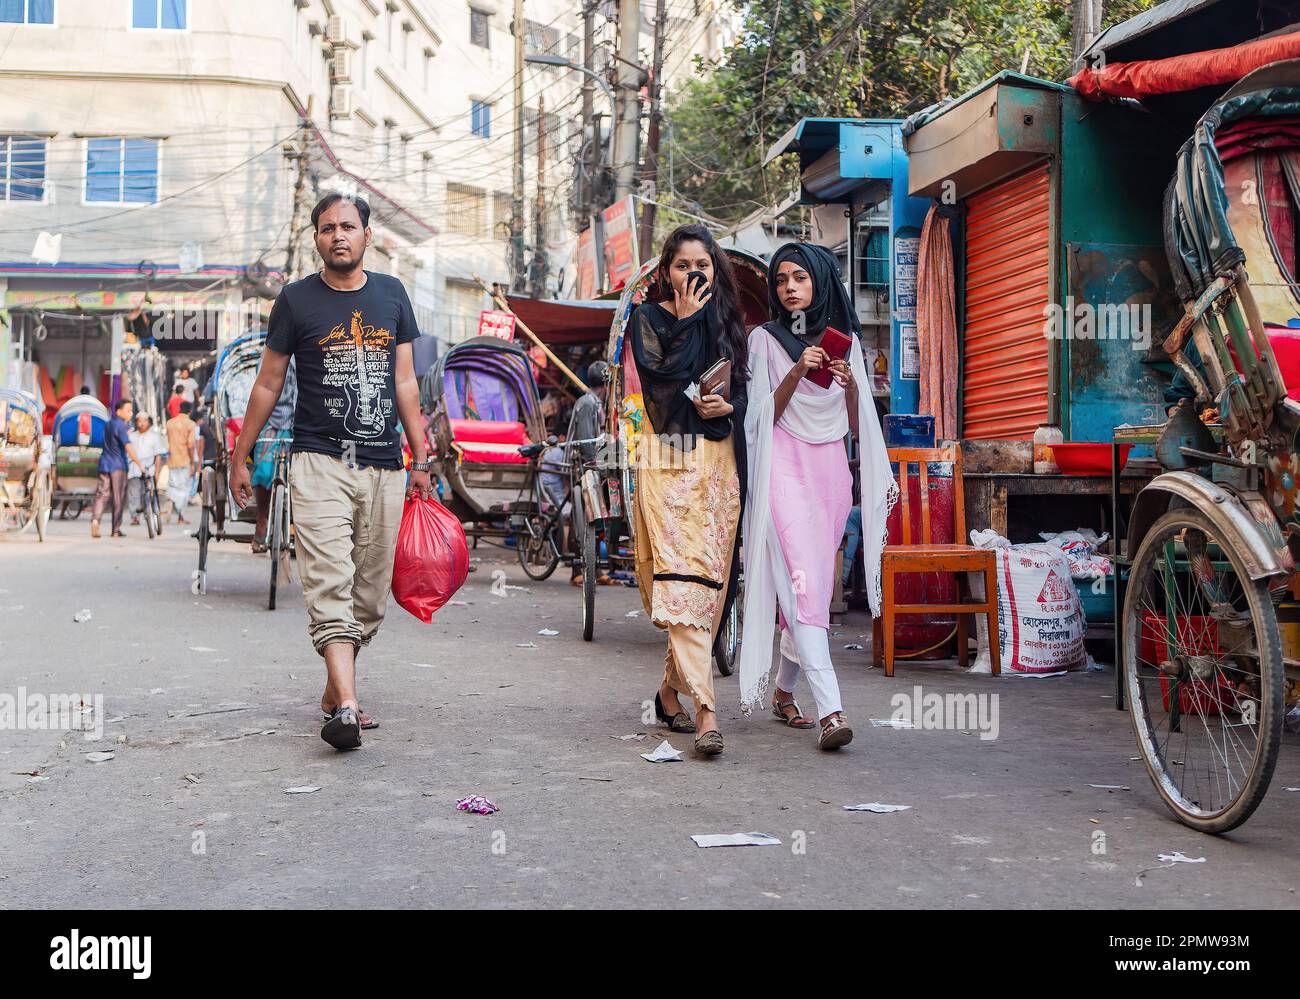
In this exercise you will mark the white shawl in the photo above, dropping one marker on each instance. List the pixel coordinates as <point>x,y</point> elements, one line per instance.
<point>817,416</point>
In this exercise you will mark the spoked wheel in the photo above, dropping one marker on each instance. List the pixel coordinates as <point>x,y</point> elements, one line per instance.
<point>204,535</point>
<point>154,512</point>
<point>590,553</point>
<point>277,537</point>
<point>148,510</point>
<point>727,644</point>
<point>41,503</point>
<point>536,547</point>
<point>1203,673</point>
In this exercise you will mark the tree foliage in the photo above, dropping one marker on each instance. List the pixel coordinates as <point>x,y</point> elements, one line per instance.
<point>845,58</point>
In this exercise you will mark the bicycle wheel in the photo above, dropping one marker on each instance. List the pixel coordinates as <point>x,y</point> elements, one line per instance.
<point>155,510</point>
<point>41,504</point>
<point>536,547</point>
<point>275,539</point>
<point>1203,673</point>
<point>147,502</point>
<point>590,551</point>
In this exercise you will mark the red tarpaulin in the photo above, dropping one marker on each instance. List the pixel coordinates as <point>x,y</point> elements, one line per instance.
<point>1216,67</point>
<point>565,322</point>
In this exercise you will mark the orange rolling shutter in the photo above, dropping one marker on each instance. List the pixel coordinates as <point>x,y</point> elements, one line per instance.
<point>1005,353</point>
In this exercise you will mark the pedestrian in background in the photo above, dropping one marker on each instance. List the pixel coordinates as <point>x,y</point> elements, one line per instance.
<point>278,434</point>
<point>349,333</point>
<point>688,482</point>
<point>189,387</point>
<point>174,403</point>
<point>150,449</point>
<point>111,484</point>
<point>182,460</point>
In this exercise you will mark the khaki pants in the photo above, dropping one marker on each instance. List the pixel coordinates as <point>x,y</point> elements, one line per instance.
<point>345,530</point>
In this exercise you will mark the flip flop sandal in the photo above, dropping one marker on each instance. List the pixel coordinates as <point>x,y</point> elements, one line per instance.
<point>343,730</point>
<point>367,722</point>
<point>797,720</point>
<point>680,722</point>
<point>259,546</point>
<point>835,733</point>
<point>709,743</point>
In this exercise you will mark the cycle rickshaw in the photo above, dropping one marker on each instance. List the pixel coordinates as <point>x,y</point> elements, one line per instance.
<point>25,488</point>
<point>484,408</point>
<point>603,488</point>
<point>78,435</point>
<point>232,380</point>
<point>1209,573</point>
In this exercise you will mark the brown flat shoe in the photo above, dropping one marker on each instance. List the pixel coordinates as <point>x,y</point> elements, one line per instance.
<point>709,743</point>
<point>680,722</point>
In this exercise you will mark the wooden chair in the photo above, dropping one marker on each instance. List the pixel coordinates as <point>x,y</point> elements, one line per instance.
<point>929,557</point>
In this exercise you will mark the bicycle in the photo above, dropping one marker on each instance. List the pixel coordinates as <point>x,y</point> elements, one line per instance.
<point>537,532</point>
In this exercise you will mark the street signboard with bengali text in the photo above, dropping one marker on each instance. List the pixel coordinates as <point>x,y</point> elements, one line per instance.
<point>498,324</point>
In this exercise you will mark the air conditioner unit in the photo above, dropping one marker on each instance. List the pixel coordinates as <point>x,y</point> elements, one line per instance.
<point>341,102</point>
<point>341,64</point>
<point>336,29</point>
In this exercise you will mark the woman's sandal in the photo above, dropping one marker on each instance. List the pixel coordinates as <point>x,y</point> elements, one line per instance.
<point>835,733</point>
<point>797,720</point>
<point>709,743</point>
<point>680,722</point>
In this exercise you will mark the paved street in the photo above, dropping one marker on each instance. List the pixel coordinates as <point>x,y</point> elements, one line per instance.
<point>220,689</point>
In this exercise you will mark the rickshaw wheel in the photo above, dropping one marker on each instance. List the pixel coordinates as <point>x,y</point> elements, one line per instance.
<point>204,535</point>
<point>1206,707</point>
<point>536,550</point>
<point>41,504</point>
<point>727,643</point>
<point>590,551</point>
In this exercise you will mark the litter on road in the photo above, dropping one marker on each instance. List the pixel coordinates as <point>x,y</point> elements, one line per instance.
<point>663,753</point>
<point>100,757</point>
<point>706,840</point>
<point>304,789</point>
<point>875,806</point>
<point>477,804</point>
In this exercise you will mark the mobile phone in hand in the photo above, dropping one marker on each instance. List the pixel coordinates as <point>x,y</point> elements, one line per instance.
<point>695,280</point>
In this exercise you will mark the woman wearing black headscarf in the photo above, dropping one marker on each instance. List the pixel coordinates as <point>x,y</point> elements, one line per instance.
<point>690,465</point>
<point>800,486</point>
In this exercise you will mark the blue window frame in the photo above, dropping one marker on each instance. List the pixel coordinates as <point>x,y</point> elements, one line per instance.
<point>27,11</point>
<point>22,168</point>
<point>159,14</point>
<point>480,115</point>
<point>122,171</point>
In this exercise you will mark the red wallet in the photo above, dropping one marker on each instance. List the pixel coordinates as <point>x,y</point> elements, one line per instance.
<point>836,344</point>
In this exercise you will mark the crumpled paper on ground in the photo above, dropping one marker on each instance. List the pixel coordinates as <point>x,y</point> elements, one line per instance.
<point>663,753</point>
<point>706,840</point>
<point>477,804</point>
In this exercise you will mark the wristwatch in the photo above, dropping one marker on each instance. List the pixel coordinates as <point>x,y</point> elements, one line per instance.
<point>421,466</point>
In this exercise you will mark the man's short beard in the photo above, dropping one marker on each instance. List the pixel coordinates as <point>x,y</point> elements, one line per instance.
<point>341,269</point>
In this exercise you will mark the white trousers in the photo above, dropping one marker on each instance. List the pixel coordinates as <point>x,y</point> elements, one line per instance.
<point>808,650</point>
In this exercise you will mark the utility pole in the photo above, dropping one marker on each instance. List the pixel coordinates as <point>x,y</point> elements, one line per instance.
<point>592,159</point>
<point>541,265</point>
<point>292,265</point>
<point>1087,25</point>
<point>518,275</point>
<point>628,128</point>
<point>650,171</point>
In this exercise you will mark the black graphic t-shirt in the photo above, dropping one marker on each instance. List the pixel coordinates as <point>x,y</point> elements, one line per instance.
<point>345,346</point>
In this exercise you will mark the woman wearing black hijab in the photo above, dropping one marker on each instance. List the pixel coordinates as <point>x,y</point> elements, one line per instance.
<point>800,486</point>
<point>689,467</point>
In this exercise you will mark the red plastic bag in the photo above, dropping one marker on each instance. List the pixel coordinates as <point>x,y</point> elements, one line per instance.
<point>432,558</point>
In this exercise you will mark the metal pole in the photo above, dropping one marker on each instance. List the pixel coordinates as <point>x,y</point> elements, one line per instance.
<point>627,131</point>
<point>517,273</point>
<point>650,173</point>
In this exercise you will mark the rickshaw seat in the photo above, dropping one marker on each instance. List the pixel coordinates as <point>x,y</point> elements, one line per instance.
<point>490,441</point>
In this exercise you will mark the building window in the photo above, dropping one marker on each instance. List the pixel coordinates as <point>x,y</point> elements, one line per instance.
<point>22,168</point>
<point>122,171</point>
<point>158,14</point>
<point>541,39</point>
<point>27,11</point>
<point>465,207</point>
<point>480,119</point>
<point>478,28</point>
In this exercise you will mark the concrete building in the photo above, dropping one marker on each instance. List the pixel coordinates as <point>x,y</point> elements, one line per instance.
<point>152,147</point>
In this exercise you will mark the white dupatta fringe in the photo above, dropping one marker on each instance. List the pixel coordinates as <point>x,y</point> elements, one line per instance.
<point>817,417</point>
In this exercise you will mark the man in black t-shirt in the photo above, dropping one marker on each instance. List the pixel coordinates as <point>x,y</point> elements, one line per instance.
<point>349,332</point>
